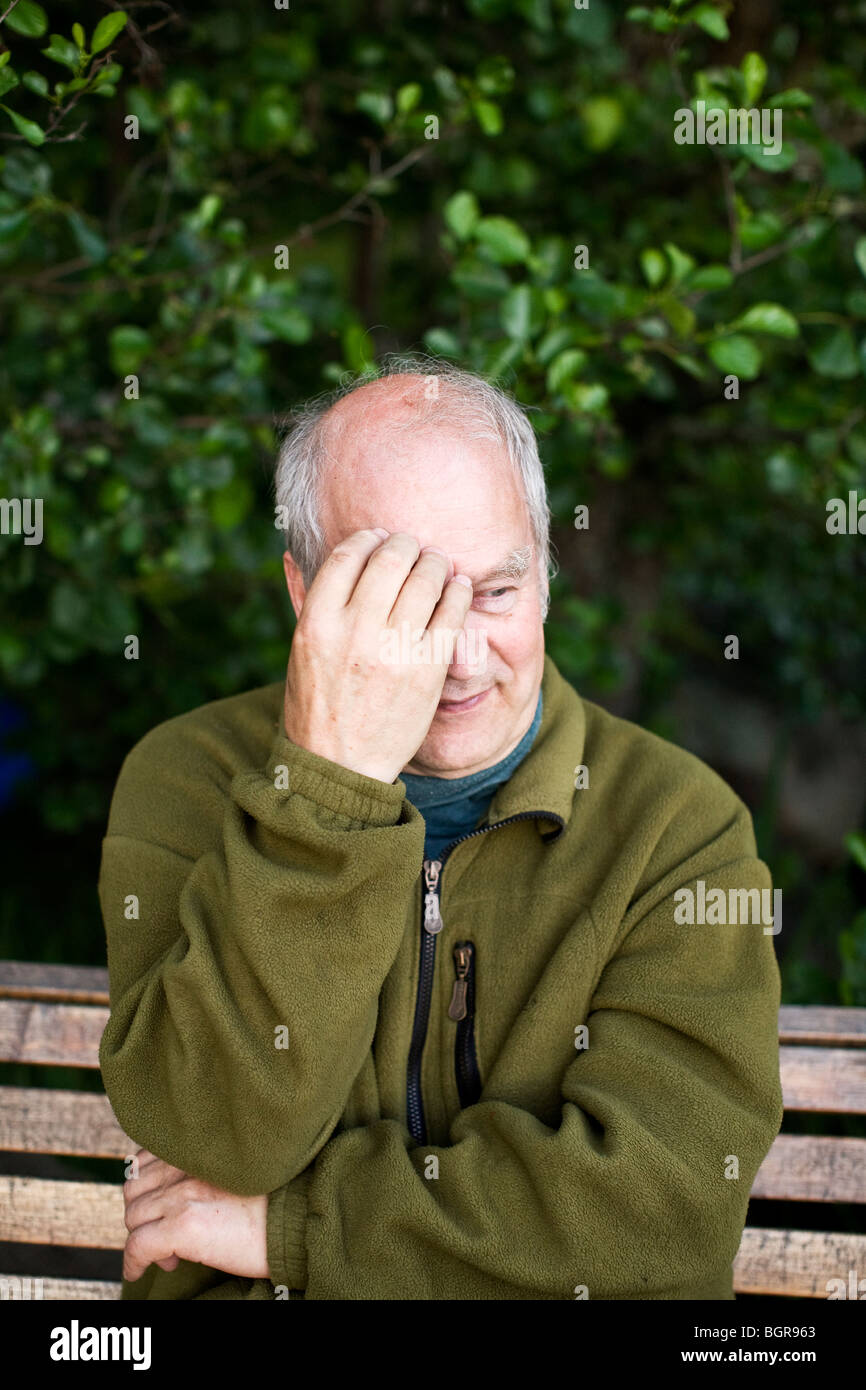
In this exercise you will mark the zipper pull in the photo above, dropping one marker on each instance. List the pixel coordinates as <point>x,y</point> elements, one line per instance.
<point>462,958</point>
<point>432,917</point>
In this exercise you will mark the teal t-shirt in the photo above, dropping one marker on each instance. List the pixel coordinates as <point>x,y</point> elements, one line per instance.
<point>452,806</point>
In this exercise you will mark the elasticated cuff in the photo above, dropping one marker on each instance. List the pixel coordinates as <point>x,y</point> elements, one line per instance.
<point>286,1232</point>
<point>338,788</point>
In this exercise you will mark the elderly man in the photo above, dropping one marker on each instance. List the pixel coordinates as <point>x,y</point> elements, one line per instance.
<point>408,1009</point>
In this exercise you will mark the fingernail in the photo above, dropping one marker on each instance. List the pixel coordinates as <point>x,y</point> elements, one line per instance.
<point>379,532</point>
<point>433,549</point>
<point>463,579</point>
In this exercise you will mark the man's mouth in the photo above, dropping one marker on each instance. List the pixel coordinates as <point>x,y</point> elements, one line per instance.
<point>458,706</point>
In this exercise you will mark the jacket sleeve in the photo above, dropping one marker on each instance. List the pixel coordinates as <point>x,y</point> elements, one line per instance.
<point>639,1193</point>
<point>244,995</point>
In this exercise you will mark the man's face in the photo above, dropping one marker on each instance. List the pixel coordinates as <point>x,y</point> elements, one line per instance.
<point>462,496</point>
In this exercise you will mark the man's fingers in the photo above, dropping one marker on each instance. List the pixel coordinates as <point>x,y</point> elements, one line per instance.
<point>151,1173</point>
<point>384,575</point>
<point>450,614</point>
<point>339,574</point>
<point>142,1207</point>
<point>422,590</point>
<point>147,1245</point>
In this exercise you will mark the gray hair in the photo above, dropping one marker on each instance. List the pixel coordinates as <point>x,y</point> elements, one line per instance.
<point>480,408</point>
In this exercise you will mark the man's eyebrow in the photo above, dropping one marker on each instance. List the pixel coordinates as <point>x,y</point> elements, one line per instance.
<point>515,565</point>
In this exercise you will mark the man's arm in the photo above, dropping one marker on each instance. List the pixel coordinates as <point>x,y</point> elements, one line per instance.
<point>632,1196</point>
<point>245,988</point>
<point>244,997</point>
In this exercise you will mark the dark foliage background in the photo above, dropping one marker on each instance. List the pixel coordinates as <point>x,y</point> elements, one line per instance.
<point>311,128</point>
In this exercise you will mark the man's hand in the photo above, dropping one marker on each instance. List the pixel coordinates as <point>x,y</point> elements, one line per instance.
<point>343,701</point>
<point>171,1217</point>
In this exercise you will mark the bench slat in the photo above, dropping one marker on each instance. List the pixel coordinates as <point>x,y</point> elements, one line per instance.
<point>54,1290</point>
<point>33,1120</point>
<point>795,1264</point>
<point>832,1079</point>
<point>51,1034</point>
<point>70,984</point>
<point>806,1168</point>
<point>822,1024</point>
<point>43,1211</point>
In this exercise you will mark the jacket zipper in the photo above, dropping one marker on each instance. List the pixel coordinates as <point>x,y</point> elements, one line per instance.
<point>462,1011</point>
<point>432,924</point>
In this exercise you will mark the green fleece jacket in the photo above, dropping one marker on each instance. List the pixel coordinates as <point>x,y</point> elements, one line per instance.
<point>284,1022</point>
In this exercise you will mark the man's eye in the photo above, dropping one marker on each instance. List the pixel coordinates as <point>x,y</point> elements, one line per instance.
<point>496,593</point>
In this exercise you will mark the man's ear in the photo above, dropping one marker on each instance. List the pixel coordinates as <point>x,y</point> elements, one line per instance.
<point>294,583</point>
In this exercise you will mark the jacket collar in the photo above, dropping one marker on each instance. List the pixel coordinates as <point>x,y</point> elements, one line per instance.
<point>543,783</point>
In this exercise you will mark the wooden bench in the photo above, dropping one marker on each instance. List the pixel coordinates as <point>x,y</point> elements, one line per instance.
<point>55,1014</point>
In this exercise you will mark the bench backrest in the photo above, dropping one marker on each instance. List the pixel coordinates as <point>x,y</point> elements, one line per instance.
<point>55,1014</point>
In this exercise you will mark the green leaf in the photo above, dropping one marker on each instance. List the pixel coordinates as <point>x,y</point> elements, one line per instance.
<point>408,97</point>
<point>8,81</point>
<point>586,397</point>
<point>843,172</point>
<point>461,213</point>
<point>507,243</point>
<point>763,157</point>
<point>681,263</point>
<point>128,346</point>
<point>855,843</point>
<point>28,19</point>
<point>501,358</point>
<point>711,277</point>
<point>603,119</point>
<point>769,318</point>
<point>736,355</point>
<point>680,317</point>
<point>690,365</point>
<point>4,58</point>
<point>564,368</point>
<point>32,133</point>
<point>377,105</point>
<point>289,324</point>
<point>761,230</point>
<point>442,342</point>
<point>35,82</point>
<point>835,354</point>
<point>495,75</point>
<point>89,242</point>
<point>488,114</point>
<point>78,35</point>
<point>552,343</point>
<point>515,312</point>
<point>654,266</point>
<point>478,279</point>
<point>711,20</point>
<point>107,30</point>
<point>60,50</point>
<point>754,71</point>
<point>860,254</point>
<point>792,97</point>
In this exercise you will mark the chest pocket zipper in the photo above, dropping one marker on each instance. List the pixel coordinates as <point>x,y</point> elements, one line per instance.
<point>462,1011</point>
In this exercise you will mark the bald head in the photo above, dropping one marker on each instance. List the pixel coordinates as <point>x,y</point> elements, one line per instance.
<point>365,439</point>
